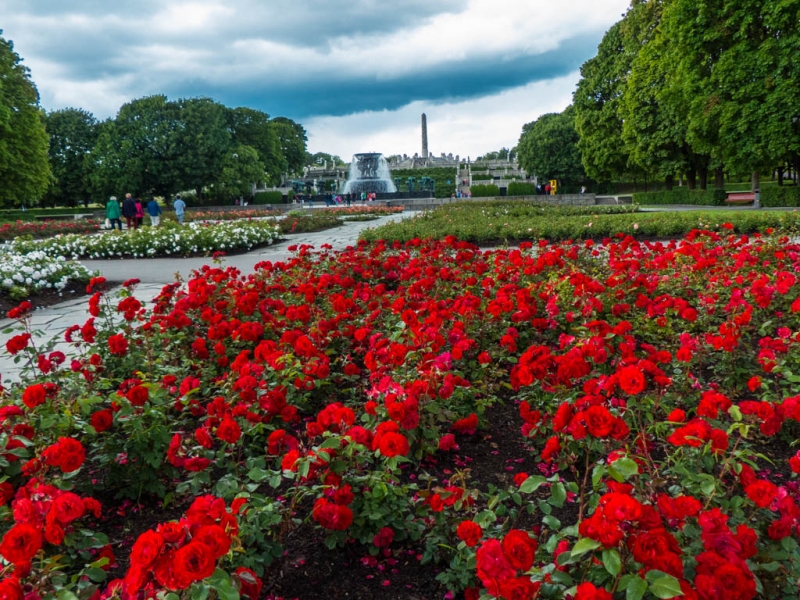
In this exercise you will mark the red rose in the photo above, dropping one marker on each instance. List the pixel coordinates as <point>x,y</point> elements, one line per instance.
<point>520,549</point>
<point>102,420</point>
<point>214,538</point>
<point>470,533</point>
<point>384,537</point>
<point>332,516</point>
<point>138,395</point>
<point>34,395</point>
<point>393,444</point>
<point>249,583</point>
<point>118,345</point>
<point>21,543</point>
<point>67,508</point>
<point>18,343</point>
<point>493,566</point>
<point>599,421</point>
<point>588,591</point>
<point>761,493</point>
<point>11,589</point>
<point>551,448</point>
<point>631,380</point>
<point>192,563</point>
<point>146,549</point>
<point>67,454</point>
<point>519,588</point>
<point>229,430</point>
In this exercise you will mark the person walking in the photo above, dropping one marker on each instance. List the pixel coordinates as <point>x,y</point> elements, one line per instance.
<point>154,210</point>
<point>129,212</point>
<point>139,212</point>
<point>113,213</point>
<point>180,208</point>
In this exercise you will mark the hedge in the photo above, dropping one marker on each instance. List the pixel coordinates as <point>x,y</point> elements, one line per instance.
<point>274,197</point>
<point>484,191</point>
<point>682,195</point>
<point>482,177</point>
<point>780,196</point>
<point>30,214</point>
<point>441,175</point>
<point>521,188</point>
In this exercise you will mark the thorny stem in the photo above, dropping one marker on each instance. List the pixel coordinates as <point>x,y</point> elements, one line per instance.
<point>583,486</point>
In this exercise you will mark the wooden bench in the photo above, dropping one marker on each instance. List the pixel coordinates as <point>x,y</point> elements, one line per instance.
<point>740,197</point>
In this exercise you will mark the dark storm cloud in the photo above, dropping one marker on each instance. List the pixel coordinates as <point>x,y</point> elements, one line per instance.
<point>343,94</point>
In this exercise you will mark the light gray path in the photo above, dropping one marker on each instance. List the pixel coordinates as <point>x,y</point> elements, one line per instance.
<point>154,273</point>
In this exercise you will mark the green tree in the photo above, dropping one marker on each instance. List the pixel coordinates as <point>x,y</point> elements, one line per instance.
<point>320,158</point>
<point>73,134</point>
<point>251,127</point>
<point>241,169</point>
<point>24,168</point>
<point>201,142</point>
<point>548,148</point>
<point>293,139</point>
<point>137,151</point>
<point>597,106</point>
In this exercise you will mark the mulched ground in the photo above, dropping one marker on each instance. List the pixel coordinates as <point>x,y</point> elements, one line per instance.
<point>45,298</point>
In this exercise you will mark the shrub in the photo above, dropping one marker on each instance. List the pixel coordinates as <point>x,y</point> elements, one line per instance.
<point>484,191</point>
<point>682,195</point>
<point>482,177</point>
<point>520,188</point>
<point>780,196</point>
<point>274,197</point>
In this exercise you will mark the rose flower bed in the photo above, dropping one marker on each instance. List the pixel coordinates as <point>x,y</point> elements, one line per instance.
<point>9,231</point>
<point>502,222</point>
<point>651,388</point>
<point>24,274</point>
<point>151,242</point>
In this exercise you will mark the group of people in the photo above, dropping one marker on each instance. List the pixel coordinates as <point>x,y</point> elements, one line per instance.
<point>133,210</point>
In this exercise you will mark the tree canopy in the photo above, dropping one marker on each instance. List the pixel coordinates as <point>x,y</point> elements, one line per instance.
<point>73,134</point>
<point>292,138</point>
<point>548,148</point>
<point>24,166</point>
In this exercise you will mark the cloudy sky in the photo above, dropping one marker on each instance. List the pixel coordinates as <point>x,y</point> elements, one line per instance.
<point>356,73</point>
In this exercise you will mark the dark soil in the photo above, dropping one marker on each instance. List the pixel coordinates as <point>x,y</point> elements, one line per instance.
<point>46,297</point>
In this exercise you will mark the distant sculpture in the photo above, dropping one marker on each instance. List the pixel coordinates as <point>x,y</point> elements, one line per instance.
<point>369,172</point>
<point>424,136</point>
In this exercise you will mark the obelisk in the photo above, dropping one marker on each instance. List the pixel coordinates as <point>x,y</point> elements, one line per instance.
<point>424,137</point>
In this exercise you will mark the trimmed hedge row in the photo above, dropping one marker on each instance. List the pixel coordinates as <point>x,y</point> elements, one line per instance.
<point>521,188</point>
<point>682,195</point>
<point>274,197</point>
<point>780,196</point>
<point>484,191</point>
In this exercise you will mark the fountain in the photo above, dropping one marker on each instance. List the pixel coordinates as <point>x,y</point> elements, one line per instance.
<point>369,172</point>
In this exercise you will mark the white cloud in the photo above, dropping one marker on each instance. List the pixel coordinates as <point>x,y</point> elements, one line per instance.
<point>468,128</point>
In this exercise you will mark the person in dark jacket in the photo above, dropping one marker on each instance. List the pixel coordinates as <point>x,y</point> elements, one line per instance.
<point>154,210</point>
<point>129,212</point>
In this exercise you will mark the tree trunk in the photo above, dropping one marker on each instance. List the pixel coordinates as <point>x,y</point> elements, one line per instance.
<point>780,175</point>
<point>796,168</point>
<point>755,181</point>
<point>199,193</point>
<point>702,175</point>
<point>669,182</point>
<point>691,178</point>
<point>719,178</point>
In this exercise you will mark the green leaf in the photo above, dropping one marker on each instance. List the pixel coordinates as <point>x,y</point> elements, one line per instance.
<point>623,468</point>
<point>636,589</point>
<point>663,585</point>
<point>584,545</point>
<point>551,522</point>
<point>199,592</point>
<point>558,494</point>
<point>612,561</point>
<point>485,518</point>
<point>95,574</point>
<point>531,484</point>
<point>220,582</point>
<point>256,474</point>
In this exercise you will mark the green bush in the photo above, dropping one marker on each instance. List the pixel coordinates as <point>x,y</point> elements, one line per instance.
<point>681,195</point>
<point>484,191</point>
<point>520,188</point>
<point>31,214</point>
<point>274,197</point>
<point>482,177</point>
<point>780,196</point>
<point>440,175</point>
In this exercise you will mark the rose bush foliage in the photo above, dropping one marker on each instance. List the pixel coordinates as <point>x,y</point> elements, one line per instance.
<point>656,387</point>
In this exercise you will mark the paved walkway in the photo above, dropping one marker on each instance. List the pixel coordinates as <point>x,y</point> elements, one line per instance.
<point>51,323</point>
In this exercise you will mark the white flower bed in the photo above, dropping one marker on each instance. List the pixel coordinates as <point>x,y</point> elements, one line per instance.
<point>36,270</point>
<point>148,242</point>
